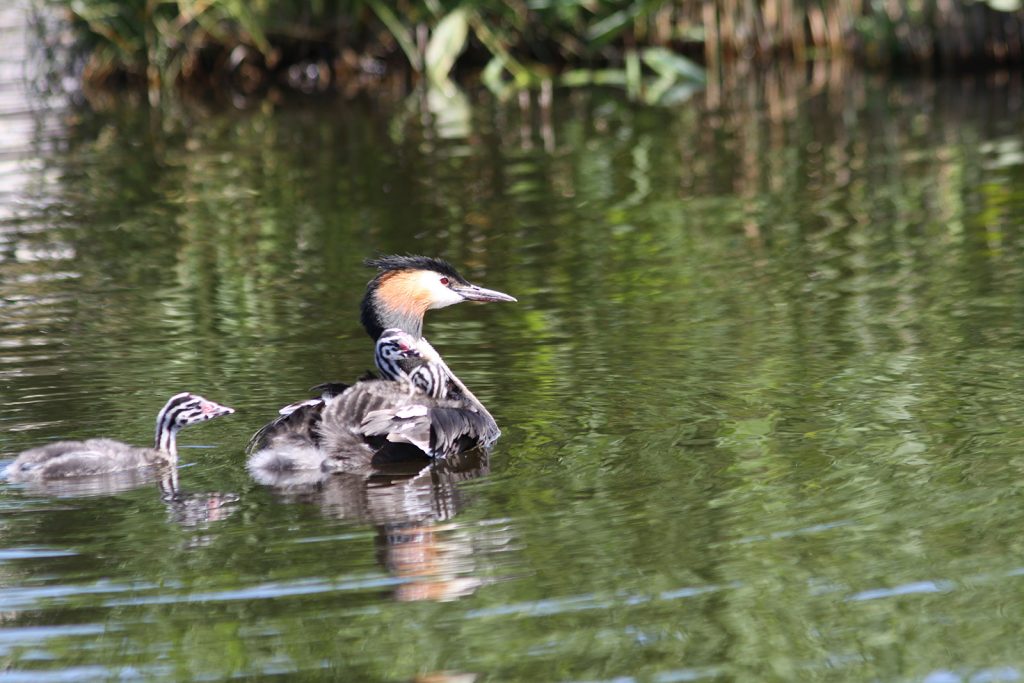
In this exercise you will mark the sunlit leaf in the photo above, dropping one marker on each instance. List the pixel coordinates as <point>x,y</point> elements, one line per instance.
<point>1004,5</point>
<point>580,77</point>
<point>491,76</point>
<point>666,63</point>
<point>679,93</point>
<point>609,27</point>
<point>633,74</point>
<point>451,111</point>
<point>654,90</point>
<point>446,42</point>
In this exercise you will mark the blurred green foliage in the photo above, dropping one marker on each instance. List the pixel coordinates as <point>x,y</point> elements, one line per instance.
<point>648,47</point>
<point>515,46</point>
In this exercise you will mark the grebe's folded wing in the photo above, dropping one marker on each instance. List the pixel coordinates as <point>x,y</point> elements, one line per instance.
<point>297,423</point>
<point>438,428</point>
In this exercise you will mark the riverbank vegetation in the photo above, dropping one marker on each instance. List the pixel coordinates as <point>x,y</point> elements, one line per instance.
<point>651,48</point>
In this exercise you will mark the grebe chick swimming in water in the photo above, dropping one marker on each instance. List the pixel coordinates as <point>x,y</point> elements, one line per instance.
<point>105,456</point>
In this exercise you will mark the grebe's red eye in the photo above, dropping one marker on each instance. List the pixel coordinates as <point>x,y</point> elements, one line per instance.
<point>444,281</point>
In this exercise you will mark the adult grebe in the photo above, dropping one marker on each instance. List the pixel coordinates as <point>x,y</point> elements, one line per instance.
<point>349,423</point>
<point>104,456</point>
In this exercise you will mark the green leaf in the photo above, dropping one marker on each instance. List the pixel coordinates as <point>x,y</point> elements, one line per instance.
<point>634,83</point>
<point>606,29</point>
<point>1004,5</point>
<point>399,31</point>
<point>492,77</point>
<point>578,77</point>
<point>452,114</point>
<point>609,27</point>
<point>522,75</point>
<point>446,42</point>
<point>668,64</point>
<point>678,94</point>
<point>655,90</point>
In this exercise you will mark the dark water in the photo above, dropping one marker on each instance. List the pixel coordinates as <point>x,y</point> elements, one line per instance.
<point>761,395</point>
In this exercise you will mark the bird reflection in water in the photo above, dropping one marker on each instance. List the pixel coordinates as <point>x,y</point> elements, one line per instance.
<point>187,509</point>
<point>411,506</point>
<point>446,677</point>
<point>106,484</point>
<point>195,510</point>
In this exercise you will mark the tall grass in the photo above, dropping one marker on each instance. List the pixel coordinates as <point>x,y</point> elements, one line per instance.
<point>645,46</point>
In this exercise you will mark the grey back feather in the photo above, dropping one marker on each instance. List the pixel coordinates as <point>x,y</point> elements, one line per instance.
<point>399,413</point>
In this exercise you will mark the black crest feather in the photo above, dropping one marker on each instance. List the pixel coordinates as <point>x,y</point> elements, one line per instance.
<point>393,262</point>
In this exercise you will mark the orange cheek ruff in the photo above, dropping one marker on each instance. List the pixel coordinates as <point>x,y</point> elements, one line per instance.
<point>403,291</point>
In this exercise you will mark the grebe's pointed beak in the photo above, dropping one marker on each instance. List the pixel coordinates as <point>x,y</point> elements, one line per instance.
<point>475,293</point>
<point>211,409</point>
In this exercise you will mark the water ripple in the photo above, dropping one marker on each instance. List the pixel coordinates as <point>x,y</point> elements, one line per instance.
<point>28,553</point>
<point>269,590</point>
<point>28,597</point>
<point>579,603</point>
<point>905,589</point>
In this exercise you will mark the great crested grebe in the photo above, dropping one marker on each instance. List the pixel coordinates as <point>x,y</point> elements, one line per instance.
<point>105,456</point>
<point>419,402</point>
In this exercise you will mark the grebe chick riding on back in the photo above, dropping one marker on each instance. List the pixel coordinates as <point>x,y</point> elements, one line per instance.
<point>398,360</point>
<point>105,456</point>
<point>412,405</point>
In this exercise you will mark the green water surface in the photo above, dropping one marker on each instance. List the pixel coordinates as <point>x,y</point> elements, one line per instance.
<point>761,396</point>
